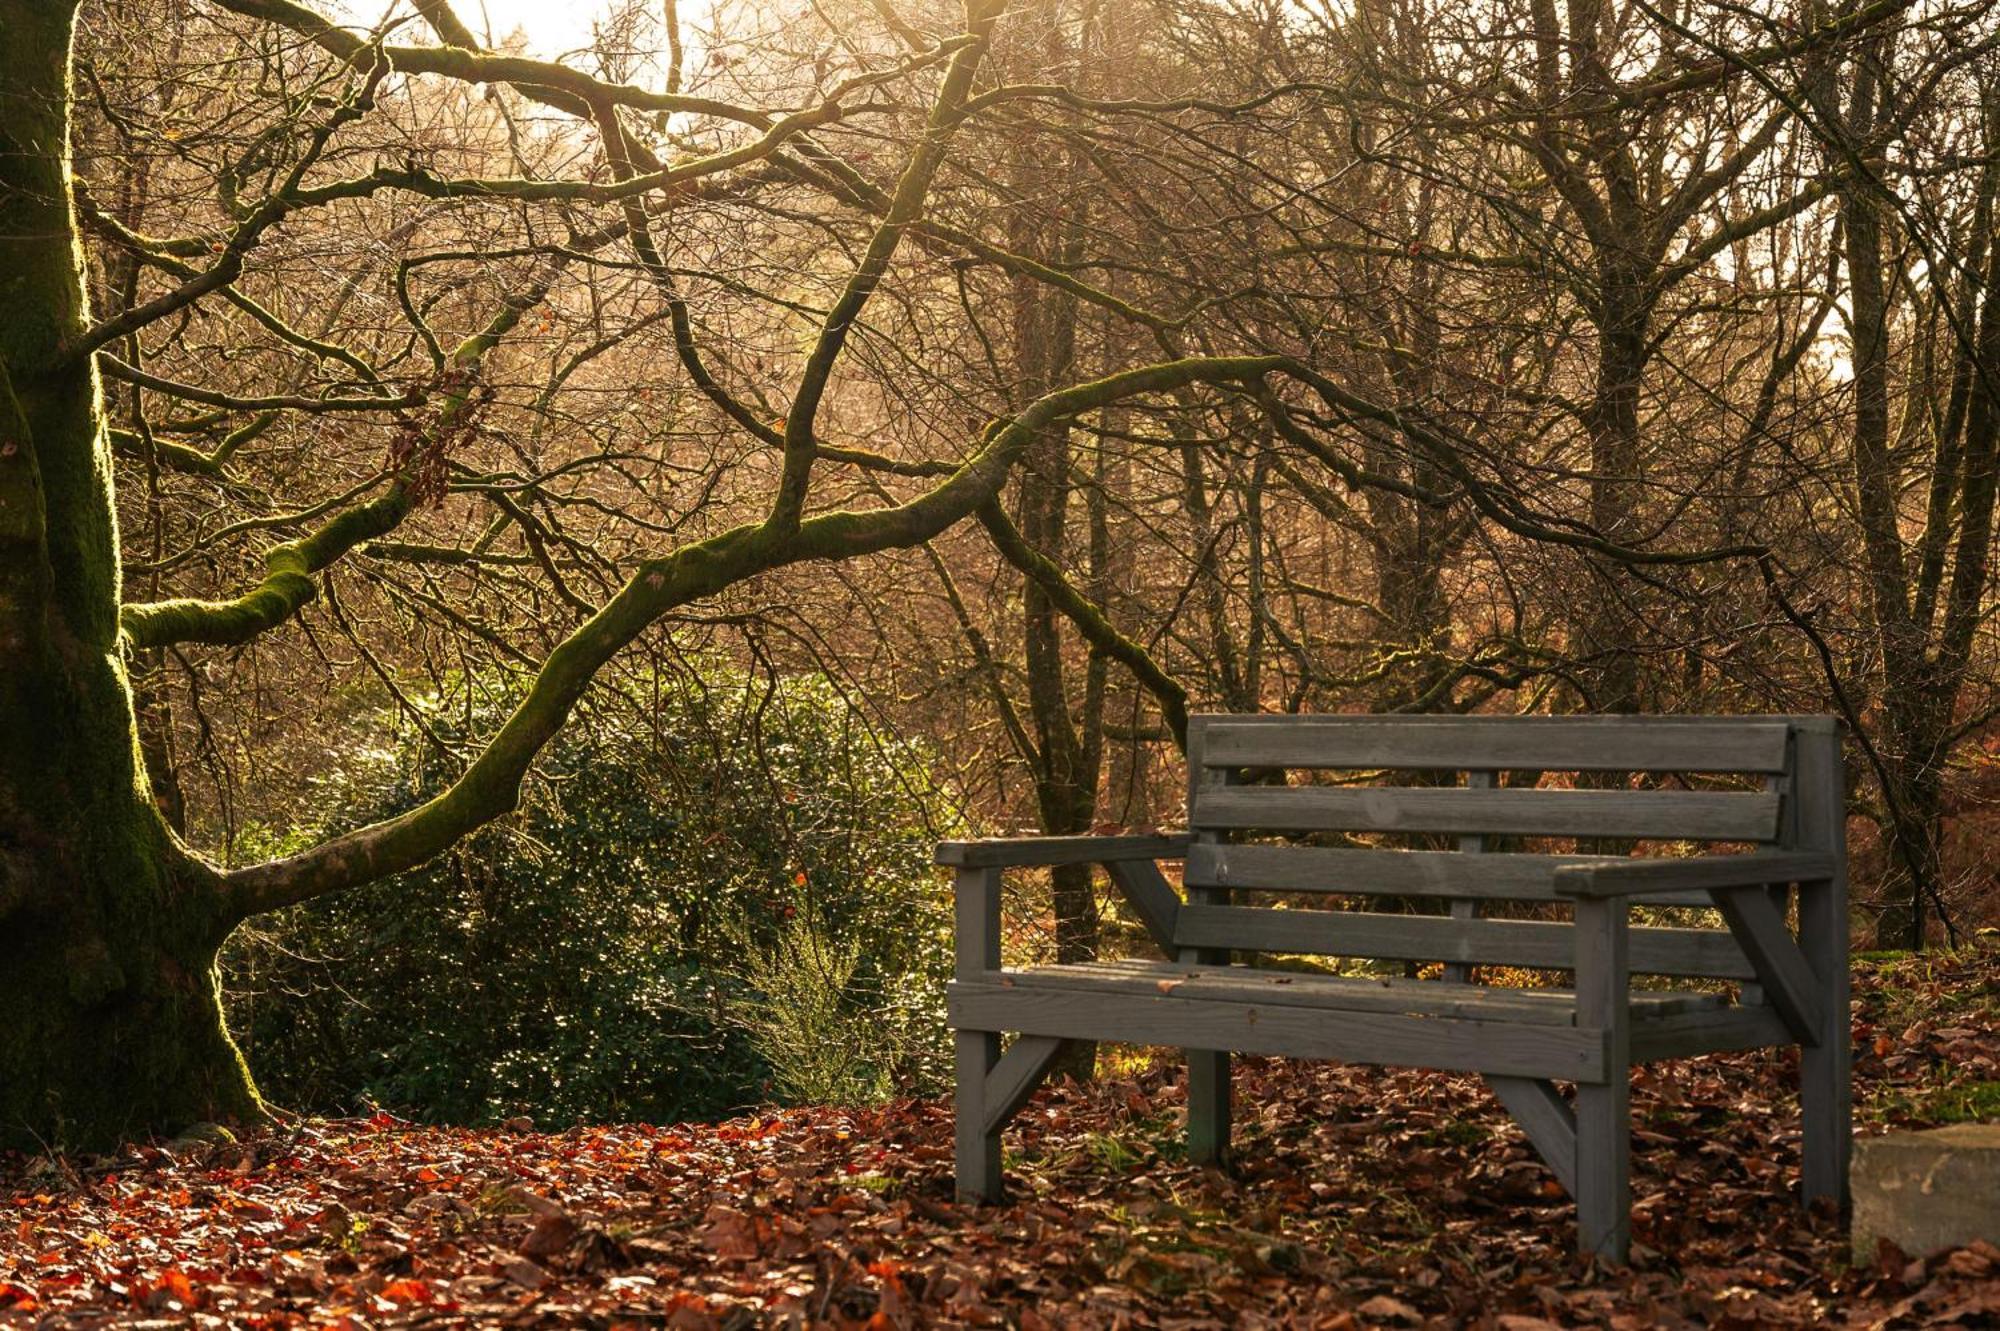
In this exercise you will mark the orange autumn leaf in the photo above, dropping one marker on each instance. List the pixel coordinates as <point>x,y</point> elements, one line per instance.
<point>408,1290</point>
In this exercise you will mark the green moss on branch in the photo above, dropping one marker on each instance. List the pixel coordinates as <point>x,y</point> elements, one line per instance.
<point>287,586</point>
<point>1090,621</point>
<point>491,786</point>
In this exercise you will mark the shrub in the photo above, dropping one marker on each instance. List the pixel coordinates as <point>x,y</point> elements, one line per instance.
<point>693,891</point>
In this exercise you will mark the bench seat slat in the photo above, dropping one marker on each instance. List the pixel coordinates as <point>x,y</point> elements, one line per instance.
<point>1476,743</point>
<point>1512,1048</point>
<point>1543,946</point>
<point>1349,993</point>
<point>1692,815</point>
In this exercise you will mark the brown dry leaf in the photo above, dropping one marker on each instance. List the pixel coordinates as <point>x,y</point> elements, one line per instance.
<point>729,1234</point>
<point>1352,1181</point>
<point>1385,1308</point>
<point>551,1234</point>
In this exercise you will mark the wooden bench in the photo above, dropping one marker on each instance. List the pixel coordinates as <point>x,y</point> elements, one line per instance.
<point>1475,827</point>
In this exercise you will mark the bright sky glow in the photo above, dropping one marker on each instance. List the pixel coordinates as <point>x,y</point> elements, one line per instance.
<point>552,27</point>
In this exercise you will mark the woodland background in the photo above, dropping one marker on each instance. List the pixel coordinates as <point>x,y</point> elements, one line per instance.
<point>1648,362</point>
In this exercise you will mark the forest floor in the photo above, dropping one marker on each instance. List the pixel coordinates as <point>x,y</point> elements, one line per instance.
<point>1362,1198</point>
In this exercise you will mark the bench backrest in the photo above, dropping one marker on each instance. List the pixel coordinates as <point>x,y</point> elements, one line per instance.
<point>1304,804</point>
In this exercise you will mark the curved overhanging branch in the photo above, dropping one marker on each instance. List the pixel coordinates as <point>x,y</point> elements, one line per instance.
<point>490,787</point>
<point>287,586</point>
<point>289,568</point>
<point>483,66</point>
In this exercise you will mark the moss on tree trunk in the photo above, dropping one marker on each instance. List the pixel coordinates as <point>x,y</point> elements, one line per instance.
<point>112,1021</point>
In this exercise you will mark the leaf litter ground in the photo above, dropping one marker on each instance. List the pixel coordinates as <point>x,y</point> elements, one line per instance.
<point>1361,1198</point>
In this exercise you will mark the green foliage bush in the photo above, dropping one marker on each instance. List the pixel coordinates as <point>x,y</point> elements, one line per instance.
<point>700,885</point>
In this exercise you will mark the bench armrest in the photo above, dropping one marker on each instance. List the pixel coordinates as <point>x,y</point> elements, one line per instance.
<point>1130,860</point>
<point>1040,851</point>
<point>1624,878</point>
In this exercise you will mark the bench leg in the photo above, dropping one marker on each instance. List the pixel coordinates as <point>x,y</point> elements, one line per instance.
<point>1825,1089</point>
<point>1604,1110</point>
<point>977,1154</point>
<point>1829,1131</point>
<point>1603,1167</point>
<point>1208,1106</point>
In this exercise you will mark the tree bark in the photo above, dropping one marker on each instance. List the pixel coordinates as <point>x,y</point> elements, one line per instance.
<point>114,1023</point>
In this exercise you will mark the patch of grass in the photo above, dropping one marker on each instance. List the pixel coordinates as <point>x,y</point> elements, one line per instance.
<point>1122,1062</point>
<point>498,1199</point>
<point>1940,986</point>
<point>1175,1248</point>
<point>1968,1102</point>
<point>1112,1151</point>
<point>1459,1132</point>
<point>1960,1102</point>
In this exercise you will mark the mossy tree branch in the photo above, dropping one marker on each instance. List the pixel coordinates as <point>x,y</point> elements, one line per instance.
<point>290,568</point>
<point>1096,628</point>
<point>287,586</point>
<point>490,787</point>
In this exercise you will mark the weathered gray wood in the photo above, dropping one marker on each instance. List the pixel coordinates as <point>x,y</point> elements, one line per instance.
<point>1626,877</point>
<point>975,922</point>
<point>1348,871</point>
<point>1603,1110</point>
<point>1687,1033</point>
<point>1788,983</point>
<point>1208,1098</point>
<point>975,1147</point>
<point>1547,1120</point>
<point>1250,984</point>
<point>1202,1024</point>
<point>1033,851</point>
<point>1150,896</point>
<point>1678,815</point>
<point>1463,907</point>
<point>1825,1087</point>
<point>1015,1077</point>
<point>1711,953</point>
<point>1208,1077</point>
<point>1537,743</point>
<point>1794,991</point>
<point>976,1049</point>
<point>1371,872</point>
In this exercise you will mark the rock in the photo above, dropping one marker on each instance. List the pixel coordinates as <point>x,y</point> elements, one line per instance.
<point>1925,1191</point>
<point>197,1137</point>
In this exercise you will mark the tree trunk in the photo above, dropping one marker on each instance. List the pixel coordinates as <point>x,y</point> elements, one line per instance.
<point>1611,630</point>
<point>1913,868</point>
<point>114,1022</point>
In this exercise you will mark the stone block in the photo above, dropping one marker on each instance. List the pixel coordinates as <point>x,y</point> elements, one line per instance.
<point>1924,1191</point>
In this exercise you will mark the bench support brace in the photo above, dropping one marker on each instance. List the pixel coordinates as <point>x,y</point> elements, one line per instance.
<point>1788,982</point>
<point>1546,1119</point>
<point>1015,1077</point>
